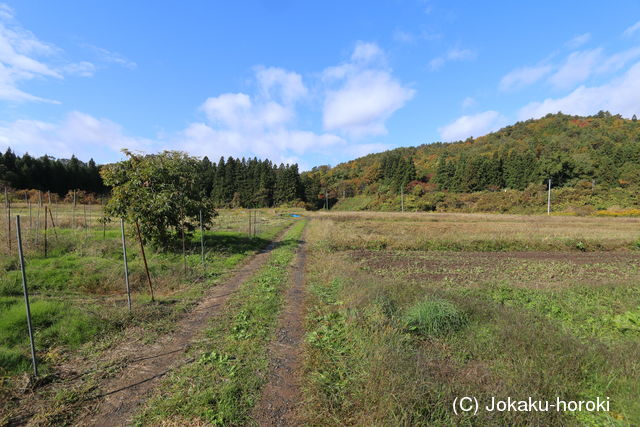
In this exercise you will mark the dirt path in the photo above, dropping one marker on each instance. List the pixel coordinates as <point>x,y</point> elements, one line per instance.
<point>123,395</point>
<point>281,396</point>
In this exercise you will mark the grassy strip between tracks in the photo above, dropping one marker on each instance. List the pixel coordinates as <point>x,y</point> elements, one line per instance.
<point>230,365</point>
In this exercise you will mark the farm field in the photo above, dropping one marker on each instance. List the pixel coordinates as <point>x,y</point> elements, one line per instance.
<point>409,311</point>
<point>79,303</point>
<point>344,319</point>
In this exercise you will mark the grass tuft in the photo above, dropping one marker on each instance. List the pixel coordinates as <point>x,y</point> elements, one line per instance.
<point>434,317</point>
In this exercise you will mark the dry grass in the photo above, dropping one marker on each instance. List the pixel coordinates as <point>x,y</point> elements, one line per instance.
<point>377,230</point>
<point>556,322</point>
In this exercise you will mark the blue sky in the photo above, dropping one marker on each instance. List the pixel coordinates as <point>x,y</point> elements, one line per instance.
<point>306,82</point>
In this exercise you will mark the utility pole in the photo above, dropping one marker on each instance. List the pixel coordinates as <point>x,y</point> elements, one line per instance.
<point>549,199</point>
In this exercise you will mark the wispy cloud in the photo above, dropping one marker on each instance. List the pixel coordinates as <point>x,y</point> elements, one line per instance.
<point>455,54</point>
<point>578,41</point>
<point>631,30</point>
<point>107,56</point>
<point>525,76</point>
<point>468,102</point>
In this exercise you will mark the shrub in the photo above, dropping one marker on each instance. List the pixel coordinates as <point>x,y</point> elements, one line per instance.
<point>433,317</point>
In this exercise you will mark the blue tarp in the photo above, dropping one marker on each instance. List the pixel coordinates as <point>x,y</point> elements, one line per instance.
<point>296,215</point>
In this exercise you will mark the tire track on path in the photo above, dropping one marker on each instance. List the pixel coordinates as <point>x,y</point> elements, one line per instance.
<point>123,396</point>
<point>281,396</point>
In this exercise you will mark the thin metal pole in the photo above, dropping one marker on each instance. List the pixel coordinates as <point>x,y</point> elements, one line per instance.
<point>8,222</point>
<point>45,231</point>
<point>73,224</point>
<point>144,258</point>
<point>549,199</point>
<point>201,239</point>
<point>126,266</point>
<point>26,297</point>
<point>184,249</point>
<point>37,226</point>
<point>30,221</point>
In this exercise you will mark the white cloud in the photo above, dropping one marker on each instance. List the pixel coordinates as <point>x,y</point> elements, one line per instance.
<point>280,84</point>
<point>78,133</point>
<point>632,29</point>
<point>366,52</point>
<point>455,54</point>
<point>24,57</point>
<point>262,125</point>
<point>473,125</point>
<point>577,68</point>
<point>363,94</point>
<point>524,76</point>
<point>621,95</point>
<point>578,41</point>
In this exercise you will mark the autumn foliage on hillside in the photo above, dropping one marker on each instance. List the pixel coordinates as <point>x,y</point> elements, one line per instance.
<point>601,150</point>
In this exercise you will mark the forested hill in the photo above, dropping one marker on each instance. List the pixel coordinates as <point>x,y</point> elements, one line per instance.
<point>603,149</point>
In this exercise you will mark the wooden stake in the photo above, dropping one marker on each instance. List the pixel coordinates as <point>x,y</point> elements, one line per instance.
<point>144,258</point>
<point>26,297</point>
<point>53,224</point>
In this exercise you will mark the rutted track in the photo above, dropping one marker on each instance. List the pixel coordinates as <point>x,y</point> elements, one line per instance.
<point>281,395</point>
<point>122,396</point>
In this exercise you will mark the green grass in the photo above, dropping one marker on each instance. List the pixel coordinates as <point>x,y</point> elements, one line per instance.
<point>224,382</point>
<point>53,322</point>
<point>433,317</point>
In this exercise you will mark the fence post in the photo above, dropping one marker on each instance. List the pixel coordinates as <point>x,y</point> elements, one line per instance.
<point>45,231</point>
<point>53,224</point>
<point>144,258</point>
<point>8,219</point>
<point>201,239</point>
<point>26,297</point>
<point>184,249</point>
<point>549,199</point>
<point>126,266</point>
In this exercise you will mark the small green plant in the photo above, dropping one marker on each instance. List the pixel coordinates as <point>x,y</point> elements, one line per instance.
<point>434,317</point>
<point>581,246</point>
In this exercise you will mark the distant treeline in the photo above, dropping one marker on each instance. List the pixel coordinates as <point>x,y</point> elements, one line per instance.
<point>48,174</point>
<point>256,183</point>
<point>232,182</point>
